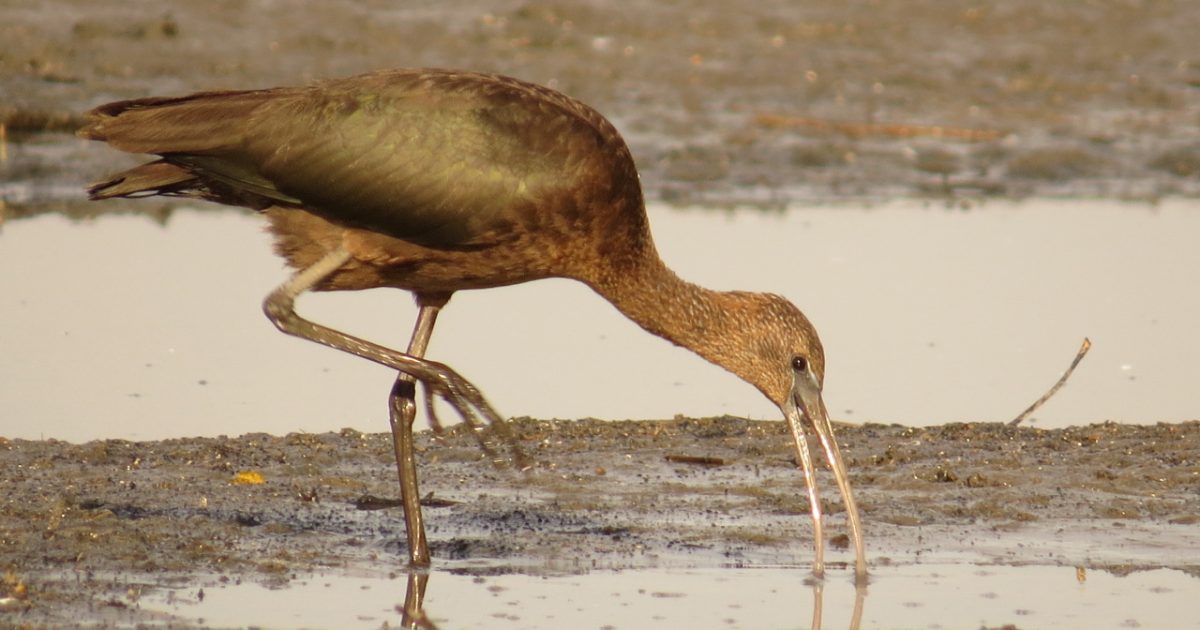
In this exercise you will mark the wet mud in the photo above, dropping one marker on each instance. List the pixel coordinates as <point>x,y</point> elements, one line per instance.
<point>87,529</point>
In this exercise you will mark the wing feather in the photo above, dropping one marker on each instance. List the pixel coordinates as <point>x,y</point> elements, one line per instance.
<point>419,162</point>
<point>435,157</point>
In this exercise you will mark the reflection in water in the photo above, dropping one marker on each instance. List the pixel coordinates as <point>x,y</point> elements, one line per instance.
<point>908,596</point>
<point>414,615</point>
<point>860,598</point>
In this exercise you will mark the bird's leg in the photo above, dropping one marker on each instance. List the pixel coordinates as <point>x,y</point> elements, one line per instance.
<point>814,497</point>
<point>403,410</point>
<point>440,379</point>
<point>443,381</point>
<point>431,415</point>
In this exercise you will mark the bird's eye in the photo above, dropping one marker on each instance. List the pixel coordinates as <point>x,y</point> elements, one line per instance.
<point>799,363</point>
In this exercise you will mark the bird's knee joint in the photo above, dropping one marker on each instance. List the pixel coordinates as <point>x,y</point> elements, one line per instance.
<point>279,309</point>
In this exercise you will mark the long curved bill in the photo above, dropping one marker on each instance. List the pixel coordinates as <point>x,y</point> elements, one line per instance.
<point>806,407</point>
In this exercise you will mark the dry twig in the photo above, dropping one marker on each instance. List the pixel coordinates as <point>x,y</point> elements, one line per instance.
<point>1083,350</point>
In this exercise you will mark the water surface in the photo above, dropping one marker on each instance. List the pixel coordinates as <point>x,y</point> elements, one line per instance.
<point>122,327</point>
<point>920,596</point>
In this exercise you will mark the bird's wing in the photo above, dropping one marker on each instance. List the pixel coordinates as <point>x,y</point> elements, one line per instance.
<point>436,158</point>
<point>201,134</point>
<point>393,163</point>
<point>424,159</point>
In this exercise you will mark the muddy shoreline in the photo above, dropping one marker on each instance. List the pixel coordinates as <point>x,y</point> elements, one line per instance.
<point>81,522</point>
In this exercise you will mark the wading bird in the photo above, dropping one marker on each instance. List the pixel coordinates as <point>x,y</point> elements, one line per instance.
<point>439,181</point>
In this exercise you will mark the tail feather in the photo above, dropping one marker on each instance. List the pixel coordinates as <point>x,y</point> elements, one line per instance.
<point>190,132</point>
<point>153,178</point>
<point>198,123</point>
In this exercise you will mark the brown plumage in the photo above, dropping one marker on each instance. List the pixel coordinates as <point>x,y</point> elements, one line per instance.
<point>438,181</point>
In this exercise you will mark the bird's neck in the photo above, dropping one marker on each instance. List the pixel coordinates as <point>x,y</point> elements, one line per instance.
<point>681,312</point>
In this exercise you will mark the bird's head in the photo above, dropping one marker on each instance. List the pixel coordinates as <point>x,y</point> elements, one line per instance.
<point>776,349</point>
<point>784,359</point>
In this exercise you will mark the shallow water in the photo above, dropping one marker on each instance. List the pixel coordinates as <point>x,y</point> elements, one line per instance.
<point>928,315</point>
<point>918,596</point>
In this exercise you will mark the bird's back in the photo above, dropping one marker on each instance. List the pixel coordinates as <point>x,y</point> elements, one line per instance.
<point>437,158</point>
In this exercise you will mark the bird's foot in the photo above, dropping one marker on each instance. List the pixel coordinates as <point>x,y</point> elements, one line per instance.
<point>485,423</point>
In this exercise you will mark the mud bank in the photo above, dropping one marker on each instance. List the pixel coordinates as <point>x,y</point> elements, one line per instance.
<point>88,527</point>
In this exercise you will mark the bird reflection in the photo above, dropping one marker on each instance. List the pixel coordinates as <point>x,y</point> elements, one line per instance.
<point>860,600</point>
<point>414,617</point>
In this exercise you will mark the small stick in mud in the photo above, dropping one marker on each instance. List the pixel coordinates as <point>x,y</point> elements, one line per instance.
<point>696,459</point>
<point>1083,350</point>
<point>372,502</point>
